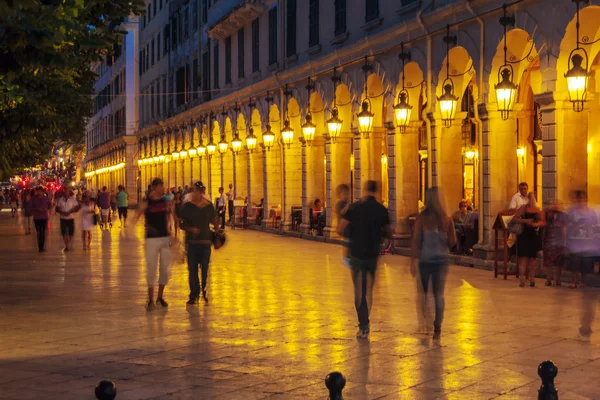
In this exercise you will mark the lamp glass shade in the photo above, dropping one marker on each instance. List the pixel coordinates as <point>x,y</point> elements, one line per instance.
<point>201,149</point>
<point>402,111</point>
<point>192,152</point>
<point>223,146</point>
<point>287,133</point>
<point>140,162</point>
<point>251,141</point>
<point>236,144</point>
<point>211,148</point>
<point>505,92</point>
<point>175,155</point>
<point>470,154</point>
<point>268,138</point>
<point>334,125</point>
<point>365,119</point>
<point>309,129</point>
<point>520,152</point>
<point>183,154</point>
<point>161,158</point>
<point>448,104</point>
<point>155,159</point>
<point>577,81</point>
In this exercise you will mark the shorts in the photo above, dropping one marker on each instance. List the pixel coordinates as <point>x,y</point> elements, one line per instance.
<point>104,212</point>
<point>113,206</point>
<point>14,204</point>
<point>369,265</point>
<point>122,212</point>
<point>67,227</point>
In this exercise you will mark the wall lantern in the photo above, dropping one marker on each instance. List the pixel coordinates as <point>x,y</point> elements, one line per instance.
<point>505,88</point>
<point>175,155</point>
<point>365,116</point>
<point>520,152</point>
<point>308,127</point>
<point>161,158</point>
<point>223,146</point>
<point>251,140</point>
<point>577,75</point>
<point>236,144</point>
<point>192,152</point>
<point>448,100</point>
<point>183,154</point>
<point>287,133</point>
<point>140,162</point>
<point>211,147</point>
<point>268,138</point>
<point>403,108</point>
<point>470,154</point>
<point>155,159</point>
<point>334,124</point>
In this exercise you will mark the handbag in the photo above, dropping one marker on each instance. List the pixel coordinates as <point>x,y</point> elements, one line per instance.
<point>218,239</point>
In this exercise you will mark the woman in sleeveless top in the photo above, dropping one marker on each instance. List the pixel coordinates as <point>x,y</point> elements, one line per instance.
<point>554,241</point>
<point>528,241</point>
<point>433,237</point>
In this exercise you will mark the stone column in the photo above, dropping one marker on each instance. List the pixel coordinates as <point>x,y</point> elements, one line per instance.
<point>314,177</point>
<point>338,172</point>
<point>369,160</point>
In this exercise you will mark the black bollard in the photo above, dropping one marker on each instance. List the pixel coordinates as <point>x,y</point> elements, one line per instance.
<point>335,382</point>
<point>106,390</point>
<point>547,371</point>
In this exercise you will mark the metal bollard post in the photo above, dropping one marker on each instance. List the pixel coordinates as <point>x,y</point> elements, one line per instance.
<point>106,390</point>
<point>335,382</point>
<point>547,371</point>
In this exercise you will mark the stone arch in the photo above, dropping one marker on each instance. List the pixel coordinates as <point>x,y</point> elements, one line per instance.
<point>376,92</point>
<point>256,123</point>
<point>413,83</point>
<point>228,129</point>
<point>348,82</point>
<point>522,54</point>
<point>216,131</point>
<point>297,94</point>
<point>325,92</point>
<point>462,72</point>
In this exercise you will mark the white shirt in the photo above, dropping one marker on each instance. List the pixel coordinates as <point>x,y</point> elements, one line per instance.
<point>518,201</point>
<point>230,194</point>
<point>187,198</point>
<point>67,205</point>
<point>221,202</point>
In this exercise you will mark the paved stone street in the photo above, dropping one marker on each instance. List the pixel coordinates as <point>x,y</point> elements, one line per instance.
<point>281,317</point>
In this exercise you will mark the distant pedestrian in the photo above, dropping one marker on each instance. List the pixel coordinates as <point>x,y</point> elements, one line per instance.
<point>66,207</point>
<point>158,242</point>
<point>40,206</point>
<point>88,214</point>
<point>528,241</point>
<point>122,205</point>
<point>113,202</point>
<point>27,210</point>
<point>230,199</point>
<point>14,203</point>
<point>221,205</point>
<point>434,235</point>
<point>177,203</point>
<point>341,208</point>
<point>554,241</point>
<point>104,205</point>
<point>581,240</point>
<point>370,221</point>
<point>197,215</point>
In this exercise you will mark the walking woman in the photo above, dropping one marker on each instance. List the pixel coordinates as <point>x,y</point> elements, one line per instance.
<point>528,241</point>
<point>88,212</point>
<point>433,237</point>
<point>27,211</point>
<point>177,202</point>
<point>581,238</point>
<point>554,241</point>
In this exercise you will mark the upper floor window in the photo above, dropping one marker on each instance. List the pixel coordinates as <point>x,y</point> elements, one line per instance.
<point>166,38</point>
<point>255,45</point>
<point>174,32</point>
<point>153,8</point>
<point>195,15</point>
<point>340,17</point>
<point>152,52</point>
<point>216,65</point>
<point>204,11</point>
<point>186,23</point>
<point>158,47</point>
<point>149,12</point>
<point>160,2</point>
<point>195,78</point>
<point>290,44</point>
<point>228,60</point>
<point>241,51</point>
<point>371,10</point>
<point>273,35</point>
<point>313,23</point>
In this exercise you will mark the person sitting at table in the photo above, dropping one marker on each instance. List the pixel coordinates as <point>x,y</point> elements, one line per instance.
<point>317,208</point>
<point>460,217</point>
<point>259,211</point>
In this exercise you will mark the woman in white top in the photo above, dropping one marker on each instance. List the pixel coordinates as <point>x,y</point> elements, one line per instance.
<point>433,237</point>
<point>88,210</point>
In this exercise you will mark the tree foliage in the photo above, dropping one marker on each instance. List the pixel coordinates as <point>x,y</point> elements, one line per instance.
<point>46,85</point>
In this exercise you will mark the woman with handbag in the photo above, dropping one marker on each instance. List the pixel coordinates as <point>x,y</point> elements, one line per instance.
<point>196,217</point>
<point>528,241</point>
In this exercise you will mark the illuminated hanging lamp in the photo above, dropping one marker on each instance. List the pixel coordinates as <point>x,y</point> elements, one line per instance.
<point>577,76</point>
<point>448,100</point>
<point>223,146</point>
<point>287,133</point>
<point>334,123</point>
<point>308,127</point>
<point>268,138</point>
<point>505,88</point>
<point>403,109</point>
<point>251,140</point>
<point>365,116</point>
<point>236,144</point>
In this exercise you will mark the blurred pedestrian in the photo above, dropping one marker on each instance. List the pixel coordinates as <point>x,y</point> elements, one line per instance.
<point>113,202</point>
<point>104,205</point>
<point>122,205</point>
<point>66,207</point>
<point>158,241</point>
<point>581,239</point>
<point>40,206</point>
<point>14,203</point>
<point>177,203</point>
<point>221,206</point>
<point>230,199</point>
<point>341,208</point>
<point>370,221</point>
<point>528,241</point>
<point>27,210</point>
<point>88,215</point>
<point>554,241</point>
<point>434,235</point>
<point>197,215</point>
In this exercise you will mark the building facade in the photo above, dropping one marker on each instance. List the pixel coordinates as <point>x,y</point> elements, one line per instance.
<point>265,66</point>
<point>111,142</point>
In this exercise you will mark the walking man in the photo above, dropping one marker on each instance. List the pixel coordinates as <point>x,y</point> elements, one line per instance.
<point>370,221</point>
<point>122,204</point>
<point>104,205</point>
<point>158,241</point>
<point>221,207</point>
<point>197,215</point>
<point>66,206</point>
<point>230,203</point>
<point>40,206</point>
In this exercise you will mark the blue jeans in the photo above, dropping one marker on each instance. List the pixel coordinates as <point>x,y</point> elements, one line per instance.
<point>436,272</point>
<point>198,255</point>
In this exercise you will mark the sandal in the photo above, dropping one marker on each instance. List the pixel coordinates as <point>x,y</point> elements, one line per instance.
<point>548,283</point>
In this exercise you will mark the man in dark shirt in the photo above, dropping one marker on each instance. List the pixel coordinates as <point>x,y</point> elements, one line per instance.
<point>197,215</point>
<point>370,221</point>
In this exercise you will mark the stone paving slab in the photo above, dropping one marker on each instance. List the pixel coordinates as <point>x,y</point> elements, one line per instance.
<point>280,317</point>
